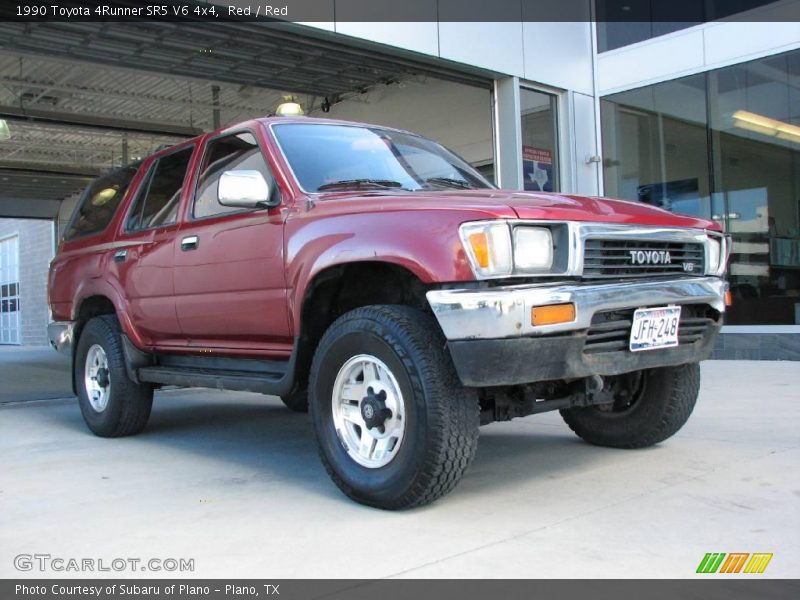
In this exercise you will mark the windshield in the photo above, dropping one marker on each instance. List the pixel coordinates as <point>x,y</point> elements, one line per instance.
<point>329,157</point>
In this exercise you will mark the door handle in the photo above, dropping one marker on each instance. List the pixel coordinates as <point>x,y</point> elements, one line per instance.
<point>189,243</point>
<point>120,255</point>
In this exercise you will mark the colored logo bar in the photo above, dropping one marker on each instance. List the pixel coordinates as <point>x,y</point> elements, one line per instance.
<point>734,562</point>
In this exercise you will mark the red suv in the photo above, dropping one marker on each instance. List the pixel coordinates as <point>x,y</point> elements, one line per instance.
<point>376,278</point>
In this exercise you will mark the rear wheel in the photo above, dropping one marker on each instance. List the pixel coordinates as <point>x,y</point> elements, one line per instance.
<point>649,407</point>
<point>394,426</point>
<point>112,405</point>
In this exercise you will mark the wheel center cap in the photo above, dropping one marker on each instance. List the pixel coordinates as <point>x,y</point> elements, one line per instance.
<point>374,410</point>
<point>102,377</point>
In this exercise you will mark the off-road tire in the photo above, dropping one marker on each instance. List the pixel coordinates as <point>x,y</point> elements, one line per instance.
<point>442,417</point>
<point>662,409</point>
<point>129,403</point>
<point>296,401</point>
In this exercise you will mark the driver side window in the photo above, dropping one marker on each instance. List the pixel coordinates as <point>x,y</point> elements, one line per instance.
<point>234,152</point>
<point>160,194</point>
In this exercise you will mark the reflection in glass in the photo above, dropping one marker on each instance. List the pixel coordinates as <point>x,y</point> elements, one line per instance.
<point>724,145</point>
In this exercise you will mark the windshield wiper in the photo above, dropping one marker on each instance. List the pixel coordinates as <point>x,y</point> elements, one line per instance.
<point>449,182</point>
<point>375,183</point>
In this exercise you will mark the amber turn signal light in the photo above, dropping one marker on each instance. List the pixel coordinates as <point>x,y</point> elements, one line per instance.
<point>728,298</point>
<point>552,314</point>
<point>480,248</point>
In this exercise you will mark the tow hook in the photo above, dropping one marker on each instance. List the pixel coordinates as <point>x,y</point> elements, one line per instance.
<point>594,384</point>
<point>595,392</point>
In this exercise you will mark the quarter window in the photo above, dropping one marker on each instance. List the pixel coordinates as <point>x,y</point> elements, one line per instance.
<point>100,202</point>
<point>159,197</point>
<point>230,153</point>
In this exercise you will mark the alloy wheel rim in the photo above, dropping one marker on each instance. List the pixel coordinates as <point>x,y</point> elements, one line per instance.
<point>97,378</point>
<point>368,411</point>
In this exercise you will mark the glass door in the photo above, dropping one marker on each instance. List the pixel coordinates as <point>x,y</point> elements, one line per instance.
<point>539,141</point>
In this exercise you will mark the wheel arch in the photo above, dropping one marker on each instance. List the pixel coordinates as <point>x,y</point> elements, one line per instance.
<point>86,309</point>
<point>340,288</point>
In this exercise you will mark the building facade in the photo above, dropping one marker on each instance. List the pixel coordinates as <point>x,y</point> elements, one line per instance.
<point>712,128</point>
<point>699,116</point>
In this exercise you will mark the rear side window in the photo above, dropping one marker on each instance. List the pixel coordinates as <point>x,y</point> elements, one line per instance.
<point>99,203</point>
<point>158,199</point>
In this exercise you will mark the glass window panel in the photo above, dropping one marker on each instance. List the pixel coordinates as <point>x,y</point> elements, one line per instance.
<point>99,203</point>
<point>234,152</point>
<point>539,141</point>
<point>159,198</point>
<point>755,121</point>
<point>624,22</point>
<point>656,146</point>
<point>724,146</point>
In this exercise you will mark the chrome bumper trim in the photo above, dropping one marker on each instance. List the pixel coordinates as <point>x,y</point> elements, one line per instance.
<point>60,335</point>
<point>505,312</point>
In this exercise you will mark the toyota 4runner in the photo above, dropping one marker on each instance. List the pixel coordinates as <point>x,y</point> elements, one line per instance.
<point>375,278</point>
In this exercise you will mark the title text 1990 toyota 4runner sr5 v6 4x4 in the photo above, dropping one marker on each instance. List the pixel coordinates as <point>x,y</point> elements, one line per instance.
<point>376,278</point>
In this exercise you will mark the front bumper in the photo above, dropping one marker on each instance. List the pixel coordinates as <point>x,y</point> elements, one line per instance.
<point>493,342</point>
<point>60,334</point>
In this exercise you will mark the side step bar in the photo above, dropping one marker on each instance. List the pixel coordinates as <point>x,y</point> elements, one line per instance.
<point>275,378</point>
<point>241,381</point>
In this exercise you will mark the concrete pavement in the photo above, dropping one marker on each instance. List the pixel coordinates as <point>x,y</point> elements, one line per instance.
<point>33,373</point>
<point>233,481</point>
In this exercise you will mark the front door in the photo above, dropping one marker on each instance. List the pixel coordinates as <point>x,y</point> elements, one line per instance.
<point>230,287</point>
<point>143,254</point>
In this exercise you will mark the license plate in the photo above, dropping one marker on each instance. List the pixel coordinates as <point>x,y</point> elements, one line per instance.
<point>655,328</point>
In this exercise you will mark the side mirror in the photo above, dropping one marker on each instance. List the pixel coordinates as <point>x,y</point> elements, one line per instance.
<point>245,189</point>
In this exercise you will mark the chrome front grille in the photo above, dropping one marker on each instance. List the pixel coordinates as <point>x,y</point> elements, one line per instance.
<point>639,258</point>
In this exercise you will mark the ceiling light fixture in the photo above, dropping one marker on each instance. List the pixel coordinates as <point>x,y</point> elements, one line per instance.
<point>289,108</point>
<point>766,126</point>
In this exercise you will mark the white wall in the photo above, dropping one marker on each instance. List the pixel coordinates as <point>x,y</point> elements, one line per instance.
<point>458,116</point>
<point>552,54</point>
<point>559,55</point>
<point>418,37</point>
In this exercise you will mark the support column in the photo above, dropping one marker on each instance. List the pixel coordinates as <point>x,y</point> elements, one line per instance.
<point>215,102</point>
<point>125,157</point>
<point>507,133</point>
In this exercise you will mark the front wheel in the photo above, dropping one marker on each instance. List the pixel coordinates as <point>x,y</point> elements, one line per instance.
<point>649,407</point>
<point>112,405</point>
<point>394,426</point>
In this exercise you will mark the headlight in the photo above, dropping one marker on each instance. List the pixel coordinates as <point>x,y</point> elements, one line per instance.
<point>533,249</point>
<point>493,252</point>
<point>715,256</point>
<point>488,247</point>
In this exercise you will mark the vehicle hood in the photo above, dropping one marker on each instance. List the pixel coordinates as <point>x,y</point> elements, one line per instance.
<point>511,204</point>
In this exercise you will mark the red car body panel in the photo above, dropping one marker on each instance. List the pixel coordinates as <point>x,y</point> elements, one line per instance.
<point>241,291</point>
